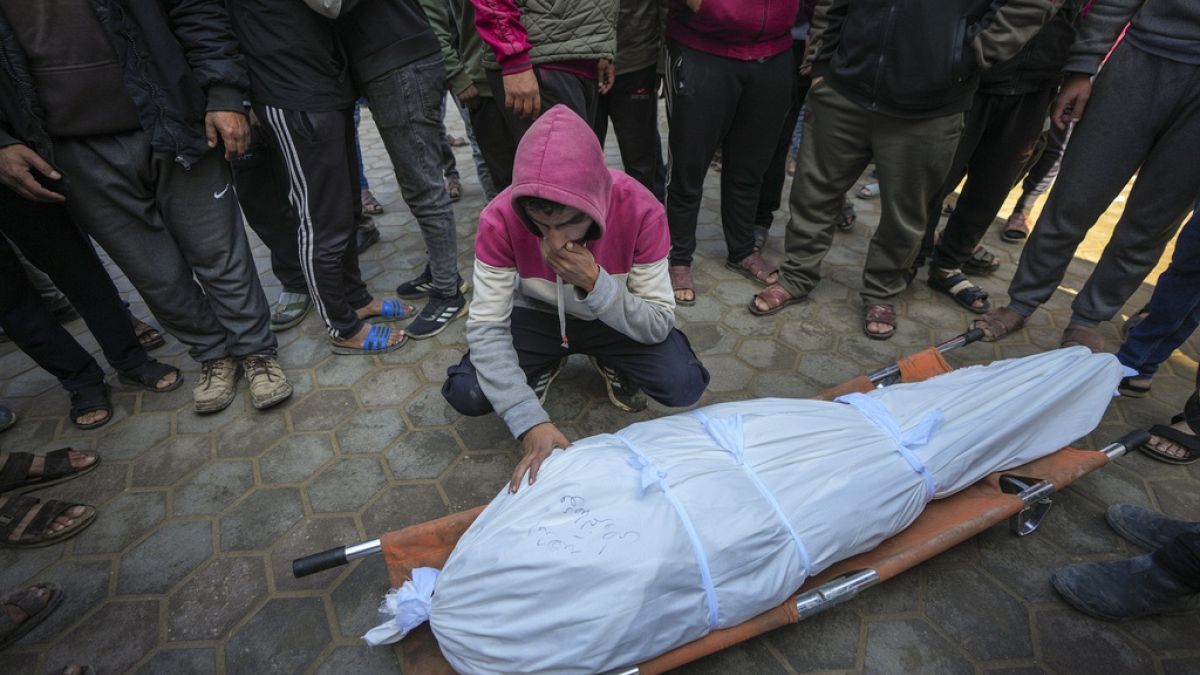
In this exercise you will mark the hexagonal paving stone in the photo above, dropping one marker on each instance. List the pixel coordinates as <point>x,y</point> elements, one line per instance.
<point>99,486</point>
<point>370,431</point>
<point>387,386</point>
<point>1076,643</point>
<point>360,660</point>
<point>250,435</point>
<point>16,566</point>
<point>123,521</point>
<point>171,460</point>
<point>477,478</point>
<point>401,506</point>
<point>430,409</point>
<point>763,354</point>
<point>81,592</point>
<point>742,322</point>
<point>993,625</point>
<point>1079,528</point>
<point>747,657</point>
<point>1023,564</point>
<point>213,488</point>
<point>484,433</point>
<point>434,366</point>
<point>168,555</point>
<point>910,646</point>
<point>1186,666</point>
<point>422,455</point>
<point>312,536</point>
<point>346,485</point>
<point>18,663</point>
<point>900,594</point>
<point>322,410</point>
<point>710,338</point>
<point>113,639</point>
<point>339,372</point>
<point>216,599</point>
<point>356,600</point>
<point>131,437</point>
<point>197,661</point>
<point>728,374</point>
<point>827,370</point>
<point>263,645</point>
<point>260,519</point>
<point>785,384</point>
<point>189,422</point>
<point>296,458</point>
<point>1179,498</point>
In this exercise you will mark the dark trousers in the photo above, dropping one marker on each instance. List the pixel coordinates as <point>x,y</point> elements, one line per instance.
<point>261,182</point>
<point>771,195</point>
<point>714,102</point>
<point>1181,558</point>
<point>1144,118</point>
<point>632,104</point>
<point>556,86</point>
<point>669,372</point>
<point>50,240</point>
<point>1174,307</point>
<point>317,149</point>
<point>1044,169</point>
<point>496,142</point>
<point>999,138</point>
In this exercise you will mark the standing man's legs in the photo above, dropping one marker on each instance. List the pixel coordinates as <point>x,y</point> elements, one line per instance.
<point>632,104</point>
<point>496,142</point>
<point>555,86</point>
<point>408,104</point>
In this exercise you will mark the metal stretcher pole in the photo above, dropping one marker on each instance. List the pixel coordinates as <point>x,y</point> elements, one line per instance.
<point>334,557</point>
<point>973,335</point>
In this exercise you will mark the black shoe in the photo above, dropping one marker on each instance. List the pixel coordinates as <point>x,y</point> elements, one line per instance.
<point>541,386</point>
<point>1149,529</point>
<point>624,394</point>
<point>436,315</point>
<point>367,237</point>
<point>760,237</point>
<point>7,418</point>
<point>1120,590</point>
<point>422,286</point>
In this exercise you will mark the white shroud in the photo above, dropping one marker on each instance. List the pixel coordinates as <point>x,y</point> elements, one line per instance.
<point>634,543</point>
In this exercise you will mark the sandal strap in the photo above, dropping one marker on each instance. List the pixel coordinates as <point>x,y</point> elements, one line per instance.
<point>1184,440</point>
<point>13,511</point>
<point>58,464</point>
<point>90,399</point>
<point>881,313</point>
<point>393,309</point>
<point>377,339</point>
<point>1191,412</point>
<point>958,285</point>
<point>774,295</point>
<point>26,601</point>
<point>756,265</point>
<point>681,278</point>
<point>149,373</point>
<point>45,515</point>
<point>15,469</point>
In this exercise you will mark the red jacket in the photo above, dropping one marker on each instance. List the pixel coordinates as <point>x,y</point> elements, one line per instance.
<point>734,29</point>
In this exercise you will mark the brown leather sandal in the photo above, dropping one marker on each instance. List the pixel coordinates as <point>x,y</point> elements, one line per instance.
<point>998,323</point>
<point>776,298</point>
<point>681,280</point>
<point>1084,336</point>
<point>879,313</point>
<point>755,268</point>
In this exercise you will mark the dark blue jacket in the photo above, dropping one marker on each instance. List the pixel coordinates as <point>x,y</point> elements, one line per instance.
<point>180,60</point>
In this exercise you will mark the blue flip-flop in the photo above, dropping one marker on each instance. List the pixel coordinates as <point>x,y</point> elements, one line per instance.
<point>393,310</point>
<point>376,343</point>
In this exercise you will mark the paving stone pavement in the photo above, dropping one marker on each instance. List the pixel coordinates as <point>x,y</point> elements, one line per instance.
<point>187,569</point>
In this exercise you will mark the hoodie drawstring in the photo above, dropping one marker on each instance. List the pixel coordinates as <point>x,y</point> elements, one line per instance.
<point>562,312</point>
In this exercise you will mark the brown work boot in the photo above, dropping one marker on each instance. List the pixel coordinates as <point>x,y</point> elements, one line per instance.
<point>268,384</point>
<point>218,385</point>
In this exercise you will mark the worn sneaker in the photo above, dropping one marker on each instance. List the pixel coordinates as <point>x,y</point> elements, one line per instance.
<point>541,386</point>
<point>1149,529</point>
<point>218,385</point>
<point>289,311</point>
<point>1119,590</point>
<point>367,235</point>
<point>268,384</point>
<point>422,286</point>
<point>436,315</point>
<point>624,394</point>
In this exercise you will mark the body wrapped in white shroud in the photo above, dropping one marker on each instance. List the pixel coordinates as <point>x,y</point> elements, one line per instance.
<point>634,543</point>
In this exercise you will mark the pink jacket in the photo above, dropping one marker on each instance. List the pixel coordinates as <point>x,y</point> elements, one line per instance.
<point>735,29</point>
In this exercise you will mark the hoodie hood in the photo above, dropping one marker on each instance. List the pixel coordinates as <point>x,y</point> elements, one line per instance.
<point>560,159</point>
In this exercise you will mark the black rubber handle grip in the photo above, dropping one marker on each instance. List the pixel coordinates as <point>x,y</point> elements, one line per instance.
<point>973,335</point>
<point>1134,438</point>
<point>319,562</point>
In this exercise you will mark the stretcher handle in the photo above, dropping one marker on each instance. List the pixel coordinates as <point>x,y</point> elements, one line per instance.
<point>334,557</point>
<point>1126,443</point>
<point>886,374</point>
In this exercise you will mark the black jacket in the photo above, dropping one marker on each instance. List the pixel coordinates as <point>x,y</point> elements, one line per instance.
<point>180,60</point>
<point>1039,64</point>
<point>918,58</point>
<point>380,35</point>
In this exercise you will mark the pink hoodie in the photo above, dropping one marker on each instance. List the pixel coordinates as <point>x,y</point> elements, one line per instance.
<point>560,159</point>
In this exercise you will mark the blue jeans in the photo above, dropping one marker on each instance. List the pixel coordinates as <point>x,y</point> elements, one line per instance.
<point>1174,307</point>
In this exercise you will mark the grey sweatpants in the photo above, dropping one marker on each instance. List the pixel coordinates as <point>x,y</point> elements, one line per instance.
<point>177,234</point>
<point>1143,117</point>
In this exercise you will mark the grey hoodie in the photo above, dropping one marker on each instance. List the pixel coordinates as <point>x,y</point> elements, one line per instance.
<point>1166,28</point>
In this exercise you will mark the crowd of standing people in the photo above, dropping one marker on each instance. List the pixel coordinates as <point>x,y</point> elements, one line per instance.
<point>161,129</point>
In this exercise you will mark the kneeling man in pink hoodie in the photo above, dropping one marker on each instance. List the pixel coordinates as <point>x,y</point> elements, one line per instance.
<point>570,259</point>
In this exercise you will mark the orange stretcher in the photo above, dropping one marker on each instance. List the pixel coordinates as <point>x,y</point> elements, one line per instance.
<point>1020,495</point>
